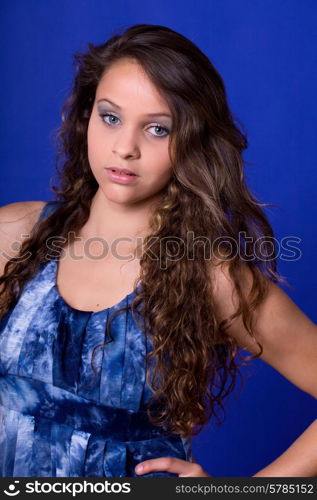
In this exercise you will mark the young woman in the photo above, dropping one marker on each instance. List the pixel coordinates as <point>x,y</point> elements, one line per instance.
<point>124,306</point>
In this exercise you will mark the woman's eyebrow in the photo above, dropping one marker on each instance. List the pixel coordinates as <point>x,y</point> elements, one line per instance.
<point>148,114</point>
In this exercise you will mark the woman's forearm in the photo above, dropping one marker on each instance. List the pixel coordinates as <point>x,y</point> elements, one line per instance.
<point>299,460</point>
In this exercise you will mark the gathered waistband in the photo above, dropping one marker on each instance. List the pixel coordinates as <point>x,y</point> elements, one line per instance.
<point>40,399</point>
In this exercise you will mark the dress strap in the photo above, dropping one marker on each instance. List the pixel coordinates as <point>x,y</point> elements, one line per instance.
<point>49,208</point>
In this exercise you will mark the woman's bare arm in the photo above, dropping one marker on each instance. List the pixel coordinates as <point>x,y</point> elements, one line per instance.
<point>16,222</point>
<point>289,341</point>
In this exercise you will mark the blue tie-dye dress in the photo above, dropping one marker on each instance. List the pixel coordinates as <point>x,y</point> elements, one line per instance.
<point>60,418</point>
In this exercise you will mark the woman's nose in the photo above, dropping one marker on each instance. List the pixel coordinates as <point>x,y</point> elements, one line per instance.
<point>126,144</point>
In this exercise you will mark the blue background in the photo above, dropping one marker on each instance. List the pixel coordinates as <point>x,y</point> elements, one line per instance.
<point>265,51</point>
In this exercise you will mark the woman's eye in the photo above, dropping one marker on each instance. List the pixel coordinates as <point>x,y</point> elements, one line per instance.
<point>165,130</point>
<point>111,117</point>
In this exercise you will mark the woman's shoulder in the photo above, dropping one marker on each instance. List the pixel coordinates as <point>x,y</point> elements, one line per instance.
<point>16,222</point>
<point>20,209</point>
<point>20,215</point>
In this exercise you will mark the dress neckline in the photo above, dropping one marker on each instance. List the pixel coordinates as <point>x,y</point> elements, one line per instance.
<point>61,298</point>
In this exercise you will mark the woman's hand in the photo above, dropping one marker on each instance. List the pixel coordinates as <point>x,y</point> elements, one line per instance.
<point>171,464</point>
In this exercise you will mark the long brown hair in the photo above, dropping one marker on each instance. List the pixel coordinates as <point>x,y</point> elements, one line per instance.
<point>194,360</point>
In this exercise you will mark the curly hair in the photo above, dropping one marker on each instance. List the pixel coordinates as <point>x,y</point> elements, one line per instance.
<point>194,363</point>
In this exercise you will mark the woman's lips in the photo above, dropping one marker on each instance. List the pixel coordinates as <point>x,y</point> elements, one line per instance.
<point>115,176</point>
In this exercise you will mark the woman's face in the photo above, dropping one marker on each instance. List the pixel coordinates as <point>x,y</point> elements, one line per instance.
<point>128,128</point>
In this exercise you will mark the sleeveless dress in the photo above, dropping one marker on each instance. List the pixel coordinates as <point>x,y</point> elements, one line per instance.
<point>58,416</point>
